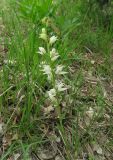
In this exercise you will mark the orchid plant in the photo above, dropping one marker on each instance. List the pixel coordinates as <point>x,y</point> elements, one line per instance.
<point>53,71</point>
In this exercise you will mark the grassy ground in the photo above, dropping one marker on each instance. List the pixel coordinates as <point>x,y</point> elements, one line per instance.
<point>76,124</point>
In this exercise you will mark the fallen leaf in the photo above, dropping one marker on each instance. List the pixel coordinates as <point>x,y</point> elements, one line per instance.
<point>97,149</point>
<point>92,62</point>
<point>47,110</point>
<point>16,156</point>
<point>1,128</point>
<point>58,157</point>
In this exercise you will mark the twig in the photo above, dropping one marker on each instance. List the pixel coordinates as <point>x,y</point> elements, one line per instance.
<point>6,91</point>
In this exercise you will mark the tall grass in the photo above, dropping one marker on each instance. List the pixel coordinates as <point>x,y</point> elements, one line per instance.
<point>79,27</point>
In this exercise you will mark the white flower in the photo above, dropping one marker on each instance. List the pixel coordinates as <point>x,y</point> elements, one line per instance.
<point>43,35</point>
<point>42,50</point>
<point>54,54</point>
<point>52,94</point>
<point>47,71</point>
<point>52,40</point>
<point>60,86</point>
<point>59,70</point>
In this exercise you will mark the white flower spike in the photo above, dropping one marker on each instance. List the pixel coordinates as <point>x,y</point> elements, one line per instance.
<point>52,40</point>
<point>59,70</point>
<point>41,50</point>
<point>54,54</point>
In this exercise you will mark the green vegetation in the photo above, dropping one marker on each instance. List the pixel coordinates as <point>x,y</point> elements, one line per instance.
<point>56,72</point>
